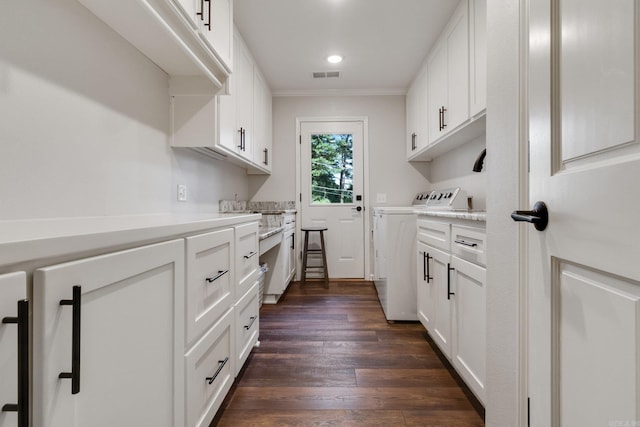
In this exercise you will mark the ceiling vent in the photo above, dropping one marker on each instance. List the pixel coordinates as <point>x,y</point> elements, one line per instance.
<point>323,74</point>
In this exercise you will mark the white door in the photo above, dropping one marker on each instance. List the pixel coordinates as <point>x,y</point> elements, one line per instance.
<point>584,274</point>
<point>113,326</point>
<point>332,175</point>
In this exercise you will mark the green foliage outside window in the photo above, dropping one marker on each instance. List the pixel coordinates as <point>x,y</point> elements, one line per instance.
<point>332,168</point>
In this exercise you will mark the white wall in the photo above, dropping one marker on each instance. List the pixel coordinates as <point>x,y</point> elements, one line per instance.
<point>454,169</point>
<point>389,171</point>
<point>84,122</point>
<point>503,167</point>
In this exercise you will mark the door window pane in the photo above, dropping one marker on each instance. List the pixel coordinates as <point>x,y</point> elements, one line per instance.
<point>331,168</point>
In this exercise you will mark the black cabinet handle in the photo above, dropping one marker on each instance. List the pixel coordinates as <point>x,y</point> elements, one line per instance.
<point>250,255</point>
<point>221,364</point>
<point>241,131</point>
<point>440,118</point>
<point>266,156</point>
<point>251,320</point>
<point>449,270</point>
<point>74,375</point>
<point>539,216</point>
<point>413,141</point>
<point>427,275</point>
<point>22,407</point>
<point>201,13</point>
<point>217,276</point>
<point>444,125</point>
<point>208,24</point>
<point>465,243</point>
<point>293,241</point>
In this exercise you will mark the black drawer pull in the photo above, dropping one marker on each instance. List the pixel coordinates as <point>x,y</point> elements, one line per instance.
<point>465,243</point>
<point>212,378</point>
<point>449,270</point>
<point>250,255</point>
<point>74,375</point>
<point>22,407</point>
<point>217,276</point>
<point>251,320</point>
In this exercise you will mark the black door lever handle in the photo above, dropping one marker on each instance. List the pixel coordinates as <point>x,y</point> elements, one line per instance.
<point>539,216</point>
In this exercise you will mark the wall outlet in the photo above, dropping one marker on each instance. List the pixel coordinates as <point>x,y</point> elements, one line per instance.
<point>182,193</point>
<point>381,197</point>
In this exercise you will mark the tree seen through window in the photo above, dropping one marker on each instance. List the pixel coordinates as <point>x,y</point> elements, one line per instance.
<point>332,168</point>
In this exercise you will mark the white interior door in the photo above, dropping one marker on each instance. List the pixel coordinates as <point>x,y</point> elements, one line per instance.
<point>584,288</point>
<point>332,175</point>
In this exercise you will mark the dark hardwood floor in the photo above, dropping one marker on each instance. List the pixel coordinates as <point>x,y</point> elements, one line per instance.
<point>328,357</point>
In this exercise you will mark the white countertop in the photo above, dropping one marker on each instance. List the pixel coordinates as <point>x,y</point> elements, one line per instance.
<point>27,240</point>
<point>468,215</point>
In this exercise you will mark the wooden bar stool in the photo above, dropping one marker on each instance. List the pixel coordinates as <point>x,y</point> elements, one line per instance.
<point>306,251</point>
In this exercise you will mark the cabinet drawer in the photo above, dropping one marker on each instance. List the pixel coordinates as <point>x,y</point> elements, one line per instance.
<point>469,243</point>
<point>247,324</point>
<point>209,372</point>
<point>433,233</point>
<point>210,278</point>
<point>247,247</point>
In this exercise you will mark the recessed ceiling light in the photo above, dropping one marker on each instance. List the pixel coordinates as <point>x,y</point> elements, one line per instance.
<point>334,59</point>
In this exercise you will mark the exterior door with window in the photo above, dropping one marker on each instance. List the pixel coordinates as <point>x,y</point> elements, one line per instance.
<point>584,273</point>
<point>332,175</point>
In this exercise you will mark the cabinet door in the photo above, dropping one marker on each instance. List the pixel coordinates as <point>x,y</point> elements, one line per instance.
<point>437,87</point>
<point>210,278</point>
<point>244,90</point>
<point>441,282</point>
<point>247,324</point>
<point>115,324</point>
<point>292,257</point>
<point>217,29</point>
<point>210,371</point>
<point>469,319</point>
<point>412,119</point>
<point>426,289</point>
<point>457,42</point>
<point>14,366</point>
<point>477,56</point>
<point>246,257</point>
<point>260,137</point>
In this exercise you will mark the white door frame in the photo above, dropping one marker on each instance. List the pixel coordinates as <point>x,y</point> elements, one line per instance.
<point>365,194</point>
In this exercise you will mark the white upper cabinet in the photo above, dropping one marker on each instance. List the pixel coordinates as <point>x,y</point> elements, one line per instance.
<point>262,121</point>
<point>234,126</point>
<point>455,86</point>
<point>417,128</point>
<point>477,57</point>
<point>449,76</point>
<point>183,37</point>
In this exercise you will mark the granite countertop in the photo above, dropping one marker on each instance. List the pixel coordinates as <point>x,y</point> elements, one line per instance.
<point>468,215</point>
<point>264,232</point>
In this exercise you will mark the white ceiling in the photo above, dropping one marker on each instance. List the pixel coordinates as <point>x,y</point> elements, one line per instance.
<point>383,41</point>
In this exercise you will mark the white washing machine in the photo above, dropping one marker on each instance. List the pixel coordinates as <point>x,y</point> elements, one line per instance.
<point>394,243</point>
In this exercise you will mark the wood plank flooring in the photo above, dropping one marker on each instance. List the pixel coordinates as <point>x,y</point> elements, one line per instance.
<point>328,357</point>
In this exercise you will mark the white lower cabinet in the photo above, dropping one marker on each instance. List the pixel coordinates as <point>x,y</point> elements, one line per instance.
<point>451,282</point>
<point>247,325</point>
<point>14,349</point>
<point>108,339</point>
<point>210,371</point>
<point>469,321</point>
<point>210,279</point>
<point>247,248</point>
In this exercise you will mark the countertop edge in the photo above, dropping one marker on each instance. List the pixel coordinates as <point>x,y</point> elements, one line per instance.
<point>60,237</point>
<point>480,216</point>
